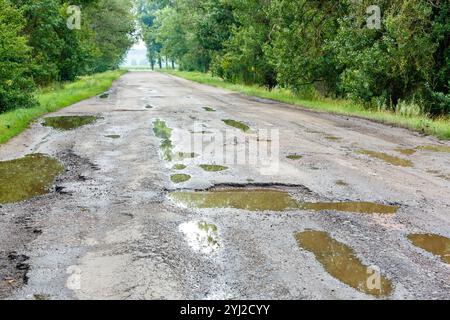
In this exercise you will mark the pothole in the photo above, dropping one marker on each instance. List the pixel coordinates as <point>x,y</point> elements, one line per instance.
<point>69,122</point>
<point>162,131</point>
<point>435,148</point>
<point>341,262</point>
<point>341,183</point>
<point>212,167</point>
<point>333,138</point>
<point>294,157</point>
<point>179,166</point>
<point>388,158</point>
<point>352,206</point>
<point>209,109</point>
<point>27,177</point>
<point>180,178</point>
<point>236,124</point>
<point>406,152</point>
<point>201,236</point>
<point>104,95</point>
<point>433,243</point>
<point>269,200</point>
<point>112,136</point>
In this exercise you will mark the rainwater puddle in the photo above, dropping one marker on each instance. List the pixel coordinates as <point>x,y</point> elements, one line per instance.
<point>162,131</point>
<point>436,244</point>
<point>341,262</point>
<point>27,177</point>
<point>69,122</point>
<point>201,236</point>
<point>406,152</point>
<point>180,178</point>
<point>179,166</point>
<point>113,136</point>
<point>209,109</point>
<point>237,124</point>
<point>294,157</point>
<point>435,148</point>
<point>269,200</point>
<point>212,167</point>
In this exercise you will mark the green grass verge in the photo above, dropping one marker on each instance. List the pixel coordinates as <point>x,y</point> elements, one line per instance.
<point>436,127</point>
<point>54,98</point>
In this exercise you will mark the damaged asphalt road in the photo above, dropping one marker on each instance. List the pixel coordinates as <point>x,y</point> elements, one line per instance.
<point>137,213</point>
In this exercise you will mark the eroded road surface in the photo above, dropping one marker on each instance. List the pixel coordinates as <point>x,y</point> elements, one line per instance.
<point>158,192</point>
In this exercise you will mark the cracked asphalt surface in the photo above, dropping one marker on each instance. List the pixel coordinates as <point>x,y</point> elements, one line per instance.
<point>109,231</point>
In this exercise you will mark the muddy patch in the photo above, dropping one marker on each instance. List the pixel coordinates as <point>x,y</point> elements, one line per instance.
<point>433,243</point>
<point>387,158</point>
<point>212,167</point>
<point>341,262</point>
<point>13,271</point>
<point>27,177</point>
<point>201,236</point>
<point>269,200</point>
<point>236,124</point>
<point>180,178</point>
<point>69,122</point>
<point>209,109</point>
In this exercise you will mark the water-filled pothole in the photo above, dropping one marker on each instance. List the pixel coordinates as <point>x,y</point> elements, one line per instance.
<point>435,148</point>
<point>69,122</point>
<point>436,244</point>
<point>180,178</point>
<point>388,158</point>
<point>104,95</point>
<point>237,124</point>
<point>269,200</point>
<point>340,261</point>
<point>333,138</point>
<point>202,236</point>
<point>179,166</point>
<point>209,109</point>
<point>113,136</point>
<point>406,152</point>
<point>294,157</point>
<point>212,167</point>
<point>162,131</point>
<point>27,177</point>
<point>353,206</point>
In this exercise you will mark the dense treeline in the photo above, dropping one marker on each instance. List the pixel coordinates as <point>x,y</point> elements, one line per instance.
<point>41,43</point>
<point>334,47</point>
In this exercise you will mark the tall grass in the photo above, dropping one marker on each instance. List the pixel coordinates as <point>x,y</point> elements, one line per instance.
<point>54,98</point>
<point>410,120</point>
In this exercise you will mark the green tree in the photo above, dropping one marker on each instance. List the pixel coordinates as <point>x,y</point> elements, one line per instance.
<point>16,84</point>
